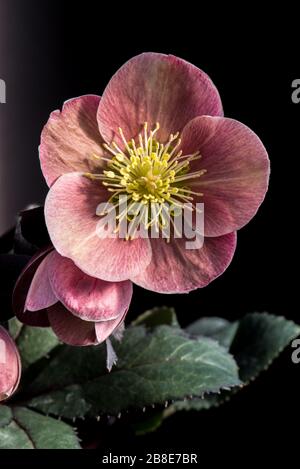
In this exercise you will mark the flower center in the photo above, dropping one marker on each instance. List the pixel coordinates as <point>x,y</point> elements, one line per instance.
<point>149,172</point>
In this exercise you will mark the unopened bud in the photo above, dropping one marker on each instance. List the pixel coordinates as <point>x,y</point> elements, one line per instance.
<point>10,365</point>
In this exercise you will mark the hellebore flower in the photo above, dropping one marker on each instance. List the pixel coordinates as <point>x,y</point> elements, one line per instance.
<point>10,365</point>
<point>82,310</point>
<point>157,135</point>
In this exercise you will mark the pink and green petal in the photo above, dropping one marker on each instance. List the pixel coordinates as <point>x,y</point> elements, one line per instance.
<point>36,318</point>
<point>88,298</point>
<point>175,269</point>
<point>71,138</point>
<point>70,329</point>
<point>154,88</point>
<point>237,176</point>
<point>73,225</point>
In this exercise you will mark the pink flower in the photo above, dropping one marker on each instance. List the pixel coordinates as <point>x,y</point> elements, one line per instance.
<point>10,365</point>
<point>157,135</point>
<point>82,310</point>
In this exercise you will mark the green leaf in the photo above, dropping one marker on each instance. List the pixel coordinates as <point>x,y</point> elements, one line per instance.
<point>15,327</point>
<point>218,329</point>
<point>258,340</point>
<point>33,343</point>
<point>5,415</point>
<point>156,317</point>
<point>196,403</point>
<point>25,429</point>
<point>153,367</point>
<point>69,402</point>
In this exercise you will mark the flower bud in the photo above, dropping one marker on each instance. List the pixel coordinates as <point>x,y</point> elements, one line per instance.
<point>10,365</point>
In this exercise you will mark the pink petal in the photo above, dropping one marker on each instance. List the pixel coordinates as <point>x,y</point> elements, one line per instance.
<point>70,212</point>
<point>37,318</point>
<point>10,365</point>
<point>70,329</point>
<point>40,294</point>
<point>237,175</point>
<point>154,88</point>
<point>88,298</point>
<point>106,328</point>
<point>175,269</point>
<point>71,138</point>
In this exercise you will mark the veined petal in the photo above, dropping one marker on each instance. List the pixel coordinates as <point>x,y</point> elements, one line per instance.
<point>88,298</point>
<point>237,176</point>
<point>154,88</point>
<point>175,269</point>
<point>36,318</point>
<point>70,212</point>
<point>70,329</point>
<point>105,328</point>
<point>70,139</point>
<point>40,294</point>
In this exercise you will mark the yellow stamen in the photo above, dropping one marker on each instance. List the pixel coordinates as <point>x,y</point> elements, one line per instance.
<point>148,172</point>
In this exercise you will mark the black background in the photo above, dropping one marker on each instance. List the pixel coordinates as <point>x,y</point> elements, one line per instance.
<point>58,50</point>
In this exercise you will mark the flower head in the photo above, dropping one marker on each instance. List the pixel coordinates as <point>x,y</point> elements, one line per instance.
<point>10,365</point>
<point>52,291</point>
<point>157,136</point>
